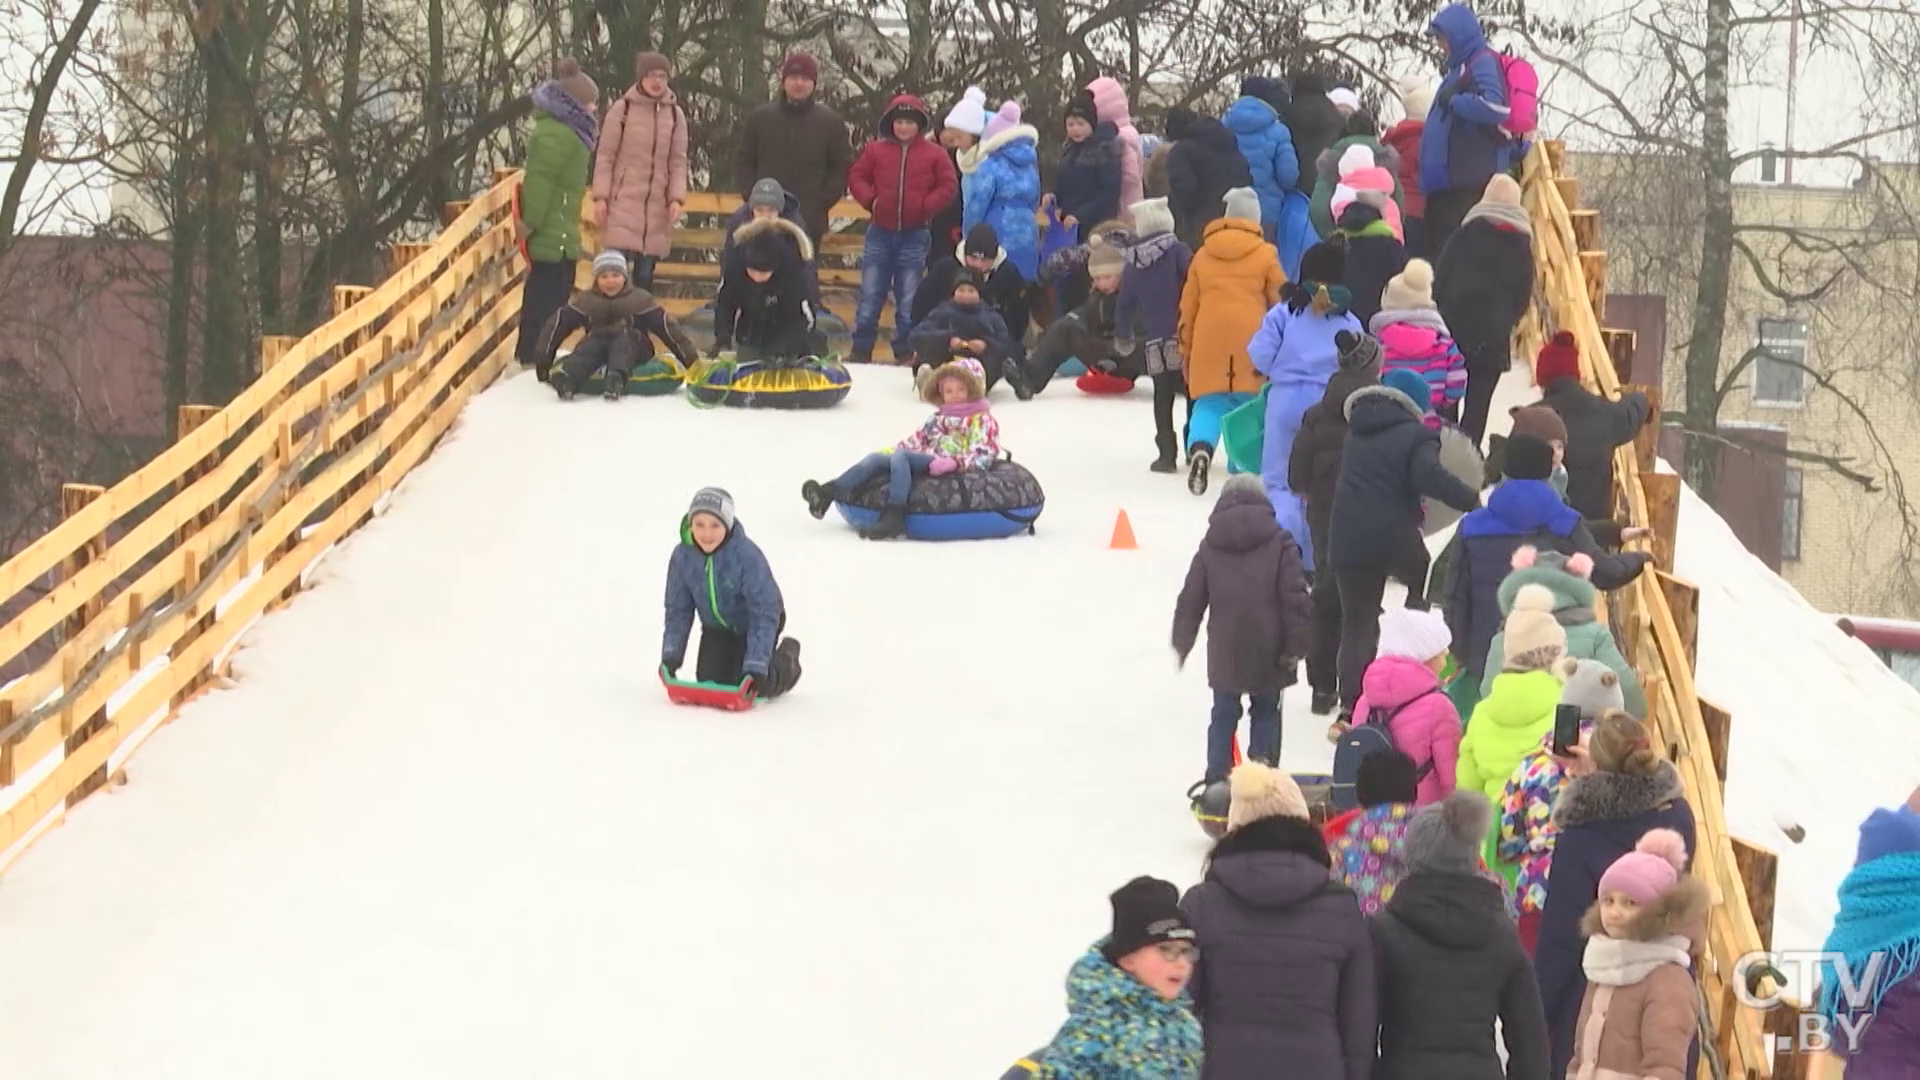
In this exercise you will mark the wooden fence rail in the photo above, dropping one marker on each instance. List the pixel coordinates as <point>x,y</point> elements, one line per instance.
<point>1658,619</point>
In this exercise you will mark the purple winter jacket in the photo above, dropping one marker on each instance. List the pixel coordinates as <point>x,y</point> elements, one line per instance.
<point>1150,285</point>
<point>1890,1046</point>
<point>1285,983</point>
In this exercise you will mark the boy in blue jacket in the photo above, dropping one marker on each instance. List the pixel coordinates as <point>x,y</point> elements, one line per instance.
<point>719,574</point>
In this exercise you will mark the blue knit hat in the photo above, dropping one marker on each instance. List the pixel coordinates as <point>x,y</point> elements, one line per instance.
<point>1888,832</point>
<point>1411,384</point>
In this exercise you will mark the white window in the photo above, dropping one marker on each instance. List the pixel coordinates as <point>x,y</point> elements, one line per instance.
<point>1792,509</point>
<point>1779,375</point>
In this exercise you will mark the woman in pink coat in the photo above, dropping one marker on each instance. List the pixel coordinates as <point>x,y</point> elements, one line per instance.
<point>640,170</point>
<point>1402,688</point>
<point>1110,102</point>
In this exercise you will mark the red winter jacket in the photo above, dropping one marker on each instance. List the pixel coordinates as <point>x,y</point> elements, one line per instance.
<point>903,185</point>
<point>1404,138</point>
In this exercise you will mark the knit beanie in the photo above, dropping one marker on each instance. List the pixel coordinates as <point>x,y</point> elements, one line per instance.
<point>1540,422</point>
<point>1386,777</point>
<point>802,65</point>
<point>1590,686</point>
<point>1004,119</point>
<point>969,279</point>
<point>1151,216</point>
<point>610,262</point>
<point>1648,871</point>
<point>1528,458</point>
<point>1243,203</point>
<point>1446,837</point>
<point>1104,260</point>
<point>1532,639</point>
<point>1558,359</point>
<point>714,501</point>
<point>567,73</point>
<point>1410,289</point>
<point>647,63</point>
<point>1358,352</point>
<point>981,243</point>
<point>970,115</point>
<point>1358,156</point>
<point>1412,385</point>
<point>1416,635</point>
<point>1502,190</point>
<point>1344,99</point>
<point>1257,86</point>
<point>1416,97</point>
<point>1146,911</point>
<point>1081,105</point>
<point>1888,832</point>
<point>767,192</point>
<point>1260,792</point>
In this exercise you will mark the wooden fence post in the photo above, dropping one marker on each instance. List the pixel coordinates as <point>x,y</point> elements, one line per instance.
<point>1586,223</point>
<point>1663,515</point>
<point>1593,266</point>
<point>1646,441</point>
<point>274,350</point>
<point>504,172</point>
<point>450,212</point>
<point>73,499</point>
<point>1719,725</point>
<point>191,419</point>
<point>1620,346</point>
<point>1759,870</point>
<point>1683,599</point>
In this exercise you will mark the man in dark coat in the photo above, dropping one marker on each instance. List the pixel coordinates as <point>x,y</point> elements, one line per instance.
<point>1596,427</point>
<point>1524,510</point>
<point>1316,125</point>
<point>1249,574</point>
<point>1204,164</point>
<point>799,142</point>
<point>1313,467</point>
<point>1285,983</point>
<point>1450,959</point>
<point>764,304</point>
<point>1003,287</point>
<point>1482,285</point>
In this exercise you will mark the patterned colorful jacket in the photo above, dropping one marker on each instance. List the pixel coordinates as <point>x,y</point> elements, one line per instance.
<point>1418,341</point>
<point>1526,823</point>
<point>1369,856</point>
<point>1117,1029</point>
<point>966,432</point>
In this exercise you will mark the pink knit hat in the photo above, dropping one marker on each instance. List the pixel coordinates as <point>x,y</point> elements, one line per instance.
<point>1006,117</point>
<point>1650,869</point>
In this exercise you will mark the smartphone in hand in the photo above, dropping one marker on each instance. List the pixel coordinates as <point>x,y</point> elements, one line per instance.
<point>1566,729</point>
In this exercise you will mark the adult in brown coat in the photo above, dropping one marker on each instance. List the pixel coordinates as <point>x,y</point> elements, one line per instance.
<point>799,142</point>
<point>1248,572</point>
<point>640,169</point>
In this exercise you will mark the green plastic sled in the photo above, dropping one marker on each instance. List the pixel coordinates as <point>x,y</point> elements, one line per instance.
<point>1243,432</point>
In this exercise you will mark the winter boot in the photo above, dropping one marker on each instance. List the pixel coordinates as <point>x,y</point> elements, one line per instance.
<point>1324,702</point>
<point>1338,729</point>
<point>1165,462</point>
<point>1199,466</point>
<point>820,497</point>
<point>1016,375</point>
<point>862,354</point>
<point>784,671</point>
<point>892,524</point>
<point>614,385</point>
<point>561,383</point>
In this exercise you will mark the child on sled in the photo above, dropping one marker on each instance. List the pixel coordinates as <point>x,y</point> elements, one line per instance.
<point>723,577</point>
<point>621,321</point>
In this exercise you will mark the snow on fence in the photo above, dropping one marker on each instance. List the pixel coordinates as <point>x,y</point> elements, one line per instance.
<point>144,589</point>
<point>1657,618</point>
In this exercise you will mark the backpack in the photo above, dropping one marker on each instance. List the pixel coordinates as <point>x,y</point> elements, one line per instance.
<point>1361,741</point>
<point>1523,94</point>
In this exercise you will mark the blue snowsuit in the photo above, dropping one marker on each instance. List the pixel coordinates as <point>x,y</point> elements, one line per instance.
<point>1462,146</point>
<point>1296,352</point>
<point>732,589</point>
<point>1005,193</point>
<point>1267,144</point>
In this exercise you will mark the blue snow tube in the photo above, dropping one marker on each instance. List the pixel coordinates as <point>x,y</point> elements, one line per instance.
<point>978,504</point>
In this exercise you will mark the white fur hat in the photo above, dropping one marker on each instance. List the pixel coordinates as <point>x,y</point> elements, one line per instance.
<point>1151,216</point>
<point>1243,203</point>
<point>970,115</point>
<point>1343,97</point>
<point>1355,158</point>
<point>1416,635</point>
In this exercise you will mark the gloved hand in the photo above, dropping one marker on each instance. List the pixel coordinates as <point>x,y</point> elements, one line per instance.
<point>943,465</point>
<point>671,665</point>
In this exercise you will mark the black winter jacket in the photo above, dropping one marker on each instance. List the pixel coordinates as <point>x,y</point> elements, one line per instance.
<point>1087,187</point>
<point>1316,125</point>
<point>1391,461</point>
<point>1372,259</point>
<point>1595,428</point>
<point>1203,166</point>
<point>1450,966</point>
<point>775,316</point>
<point>932,336</point>
<point>1006,291</point>
<point>1313,466</point>
<point>1482,285</point>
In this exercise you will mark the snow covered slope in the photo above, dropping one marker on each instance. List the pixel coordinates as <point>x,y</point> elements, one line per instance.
<point>448,826</point>
<point>1822,731</point>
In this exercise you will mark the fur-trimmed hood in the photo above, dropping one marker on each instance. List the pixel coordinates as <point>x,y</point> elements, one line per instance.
<point>1275,862</point>
<point>965,368</point>
<point>757,226</point>
<point>1605,796</point>
<point>1679,912</point>
<point>1003,140</point>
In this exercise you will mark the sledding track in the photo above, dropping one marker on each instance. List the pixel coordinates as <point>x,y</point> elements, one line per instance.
<point>157,579</point>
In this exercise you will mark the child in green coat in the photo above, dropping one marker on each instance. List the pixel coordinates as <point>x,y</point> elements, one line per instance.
<point>1509,723</point>
<point>1567,577</point>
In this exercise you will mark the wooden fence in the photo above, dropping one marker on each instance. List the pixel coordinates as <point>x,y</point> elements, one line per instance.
<point>144,588</point>
<point>1657,619</point>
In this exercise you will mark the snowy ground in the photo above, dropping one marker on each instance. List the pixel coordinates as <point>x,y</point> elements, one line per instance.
<point>447,825</point>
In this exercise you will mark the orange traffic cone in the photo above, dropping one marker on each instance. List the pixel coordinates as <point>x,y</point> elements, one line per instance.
<point>1123,535</point>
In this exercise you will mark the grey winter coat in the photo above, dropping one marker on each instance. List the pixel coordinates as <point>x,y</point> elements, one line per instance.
<point>1248,571</point>
<point>1285,983</point>
<point>1450,965</point>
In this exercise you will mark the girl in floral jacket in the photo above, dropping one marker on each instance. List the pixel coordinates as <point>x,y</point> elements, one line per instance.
<point>960,435</point>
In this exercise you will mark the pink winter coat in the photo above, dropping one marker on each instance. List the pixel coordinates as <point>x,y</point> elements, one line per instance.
<point>1110,103</point>
<point>640,168</point>
<point>1426,728</point>
<point>1373,179</point>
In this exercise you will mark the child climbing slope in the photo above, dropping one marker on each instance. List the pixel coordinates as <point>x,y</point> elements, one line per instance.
<point>960,435</point>
<point>1234,279</point>
<point>723,577</point>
